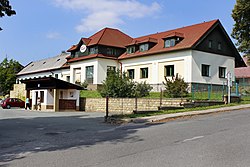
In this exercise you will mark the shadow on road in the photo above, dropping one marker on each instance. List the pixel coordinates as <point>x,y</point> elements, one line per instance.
<point>21,136</point>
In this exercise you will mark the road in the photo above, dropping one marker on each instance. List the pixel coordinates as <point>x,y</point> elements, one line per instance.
<point>34,139</point>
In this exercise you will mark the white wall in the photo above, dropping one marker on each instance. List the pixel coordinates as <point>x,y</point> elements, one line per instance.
<point>102,68</point>
<point>181,60</point>
<point>215,61</point>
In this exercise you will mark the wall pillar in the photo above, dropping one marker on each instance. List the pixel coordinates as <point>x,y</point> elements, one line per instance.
<point>56,100</point>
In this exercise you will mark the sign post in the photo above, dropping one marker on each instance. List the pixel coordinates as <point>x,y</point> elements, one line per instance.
<point>229,84</point>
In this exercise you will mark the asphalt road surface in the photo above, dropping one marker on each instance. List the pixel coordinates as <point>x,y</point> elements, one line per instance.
<point>35,139</point>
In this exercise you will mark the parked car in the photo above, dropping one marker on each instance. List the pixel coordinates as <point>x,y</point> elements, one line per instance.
<point>12,102</point>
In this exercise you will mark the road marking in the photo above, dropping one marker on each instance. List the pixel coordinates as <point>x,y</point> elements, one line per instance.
<point>194,138</point>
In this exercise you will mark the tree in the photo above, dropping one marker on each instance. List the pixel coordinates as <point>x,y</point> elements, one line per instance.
<point>8,71</point>
<point>241,29</point>
<point>6,9</point>
<point>176,87</point>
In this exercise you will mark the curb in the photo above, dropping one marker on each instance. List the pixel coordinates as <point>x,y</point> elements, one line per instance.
<point>166,117</point>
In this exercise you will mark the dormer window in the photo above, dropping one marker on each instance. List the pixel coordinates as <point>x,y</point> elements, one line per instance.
<point>173,39</point>
<point>144,47</point>
<point>131,49</point>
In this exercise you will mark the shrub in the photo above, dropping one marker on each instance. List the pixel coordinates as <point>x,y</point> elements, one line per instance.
<point>142,89</point>
<point>118,84</point>
<point>175,87</point>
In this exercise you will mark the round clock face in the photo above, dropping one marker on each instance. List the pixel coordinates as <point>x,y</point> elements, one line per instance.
<point>83,48</point>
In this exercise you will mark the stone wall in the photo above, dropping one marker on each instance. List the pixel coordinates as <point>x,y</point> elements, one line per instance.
<point>127,105</point>
<point>19,91</point>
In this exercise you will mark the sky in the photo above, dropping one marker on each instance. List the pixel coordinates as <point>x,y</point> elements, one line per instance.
<point>44,28</point>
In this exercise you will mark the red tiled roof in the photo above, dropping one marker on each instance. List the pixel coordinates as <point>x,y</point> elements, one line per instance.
<point>243,72</point>
<point>174,34</point>
<point>73,47</point>
<point>110,37</point>
<point>91,57</point>
<point>192,34</point>
<point>148,39</point>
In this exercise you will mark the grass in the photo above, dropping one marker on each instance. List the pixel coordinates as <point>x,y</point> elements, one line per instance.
<point>179,110</point>
<point>90,94</point>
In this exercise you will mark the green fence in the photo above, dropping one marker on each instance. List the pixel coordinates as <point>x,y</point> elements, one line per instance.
<point>217,92</point>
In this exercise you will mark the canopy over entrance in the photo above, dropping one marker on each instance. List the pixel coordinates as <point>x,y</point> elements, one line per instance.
<point>49,83</point>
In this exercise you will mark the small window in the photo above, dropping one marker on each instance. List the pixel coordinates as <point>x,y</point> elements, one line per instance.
<point>110,69</point>
<point>93,50</point>
<point>205,70</point>
<point>169,70</point>
<point>131,49</point>
<point>144,47</point>
<point>210,44</point>
<point>222,72</point>
<point>41,96</point>
<point>56,76</point>
<point>167,43</point>
<point>131,73</point>
<point>144,72</point>
<point>44,62</point>
<point>219,45</point>
<point>68,78</point>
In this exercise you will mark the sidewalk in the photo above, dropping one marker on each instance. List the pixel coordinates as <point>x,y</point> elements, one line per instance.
<point>184,114</point>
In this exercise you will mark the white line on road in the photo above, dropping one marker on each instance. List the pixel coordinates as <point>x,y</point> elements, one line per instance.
<point>194,138</point>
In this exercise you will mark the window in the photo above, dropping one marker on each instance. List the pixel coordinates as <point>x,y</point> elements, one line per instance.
<point>170,43</point>
<point>110,69</point>
<point>144,47</point>
<point>56,75</point>
<point>93,50</point>
<point>210,42</point>
<point>131,73</point>
<point>167,43</point>
<point>68,78</point>
<point>222,72</point>
<point>144,72</point>
<point>41,96</point>
<point>89,74</point>
<point>61,94</point>
<point>205,70</point>
<point>169,70</point>
<point>131,49</point>
<point>111,51</point>
<point>219,45</point>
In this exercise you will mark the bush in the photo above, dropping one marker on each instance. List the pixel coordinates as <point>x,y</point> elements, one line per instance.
<point>175,87</point>
<point>143,89</point>
<point>118,84</point>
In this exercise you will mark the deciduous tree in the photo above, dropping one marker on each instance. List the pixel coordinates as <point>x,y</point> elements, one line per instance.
<point>241,29</point>
<point>8,71</point>
<point>6,9</point>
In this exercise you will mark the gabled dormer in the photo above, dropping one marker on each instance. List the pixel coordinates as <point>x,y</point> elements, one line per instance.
<point>132,47</point>
<point>80,49</point>
<point>146,44</point>
<point>173,39</point>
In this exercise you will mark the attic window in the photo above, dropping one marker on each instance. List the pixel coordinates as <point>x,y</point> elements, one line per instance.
<point>58,60</point>
<point>44,62</point>
<point>170,43</point>
<point>144,47</point>
<point>32,65</point>
<point>131,49</point>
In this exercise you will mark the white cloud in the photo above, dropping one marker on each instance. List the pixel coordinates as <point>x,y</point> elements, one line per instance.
<point>53,35</point>
<point>107,13</point>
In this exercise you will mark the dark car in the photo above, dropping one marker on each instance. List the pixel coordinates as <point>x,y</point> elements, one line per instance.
<point>12,102</point>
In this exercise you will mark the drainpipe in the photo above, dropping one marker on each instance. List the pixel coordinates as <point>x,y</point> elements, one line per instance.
<point>120,65</point>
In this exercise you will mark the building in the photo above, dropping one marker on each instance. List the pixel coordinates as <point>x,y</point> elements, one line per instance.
<point>48,79</point>
<point>201,53</point>
<point>242,74</point>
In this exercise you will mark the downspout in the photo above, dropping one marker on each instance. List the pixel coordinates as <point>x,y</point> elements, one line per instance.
<point>120,65</point>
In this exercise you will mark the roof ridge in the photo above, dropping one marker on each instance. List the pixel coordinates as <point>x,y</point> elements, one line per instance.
<point>215,20</point>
